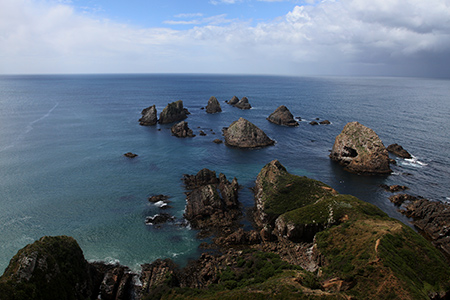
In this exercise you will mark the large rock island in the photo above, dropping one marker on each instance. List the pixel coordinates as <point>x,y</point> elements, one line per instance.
<point>360,150</point>
<point>244,134</point>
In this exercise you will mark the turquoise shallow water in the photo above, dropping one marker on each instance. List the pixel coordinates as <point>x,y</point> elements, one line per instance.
<point>62,140</point>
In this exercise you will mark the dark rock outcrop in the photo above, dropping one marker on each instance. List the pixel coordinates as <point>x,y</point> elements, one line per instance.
<point>313,123</point>
<point>173,112</point>
<point>218,141</point>
<point>282,116</point>
<point>360,150</point>
<point>432,218</point>
<point>203,177</point>
<point>213,204</point>
<point>158,198</point>
<point>130,155</point>
<point>399,199</point>
<point>182,130</point>
<point>114,281</point>
<point>325,122</point>
<point>213,106</point>
<point>244,134</point>
<point>233,100</point>
<point>149,116</point>
<point>243,104</point>
<point>159,219</point>
<point>399,151</point>
<point>50,268</point>
<point>393,188</point>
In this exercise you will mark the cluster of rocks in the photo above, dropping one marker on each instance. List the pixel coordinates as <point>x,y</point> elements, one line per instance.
<point>173,112</point>
<point>242,104</point>
<point>182,130</point>
<point>324,122</point>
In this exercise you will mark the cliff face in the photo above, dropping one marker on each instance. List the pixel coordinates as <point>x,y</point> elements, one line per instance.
<point>360,150</point>
<point>244,134</point>
<point>51,268</point>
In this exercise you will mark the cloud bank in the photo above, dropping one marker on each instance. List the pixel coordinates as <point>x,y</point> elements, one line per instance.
<point>346,37</point>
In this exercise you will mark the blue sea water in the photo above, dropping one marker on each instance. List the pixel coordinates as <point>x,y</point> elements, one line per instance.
<point>62,140</point>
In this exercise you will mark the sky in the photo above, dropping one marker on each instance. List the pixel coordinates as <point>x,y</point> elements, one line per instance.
<point>279,37</point>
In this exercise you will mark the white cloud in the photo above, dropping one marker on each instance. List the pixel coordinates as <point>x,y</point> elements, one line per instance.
<point>395,37</point>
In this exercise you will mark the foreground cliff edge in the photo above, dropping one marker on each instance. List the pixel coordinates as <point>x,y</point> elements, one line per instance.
<point>310,242</point>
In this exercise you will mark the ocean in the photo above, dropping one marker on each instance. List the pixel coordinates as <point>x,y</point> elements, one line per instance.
<point>62,140</point>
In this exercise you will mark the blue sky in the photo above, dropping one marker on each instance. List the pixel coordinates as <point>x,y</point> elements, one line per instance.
<point>286,37</point>
<point>185,13</point>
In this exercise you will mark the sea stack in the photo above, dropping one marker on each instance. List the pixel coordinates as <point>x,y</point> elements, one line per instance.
<point>182,130</point>
<point>244,134</point>
<point>149,116</point>
<point>243,104</point>
<point>233,100</point>
<point>282,116</point>
<point>213,106</point>
<point>360,150</point>
<point>173,112</point>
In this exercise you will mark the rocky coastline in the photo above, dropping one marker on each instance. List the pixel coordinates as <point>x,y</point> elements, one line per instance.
<point>308,241</point>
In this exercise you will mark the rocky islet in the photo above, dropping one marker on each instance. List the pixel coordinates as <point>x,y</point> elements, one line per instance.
<point>360,150</point>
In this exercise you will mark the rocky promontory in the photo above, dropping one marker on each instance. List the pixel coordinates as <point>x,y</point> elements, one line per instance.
<point>173,112</point>
<point>149,116</point>
<point>54,268</point>
<point>213,106</point>
<point>360,150</point>
<point>282,116</point>
<point>433,219</point>
<point>244,134</point>
<point>309,242</point>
